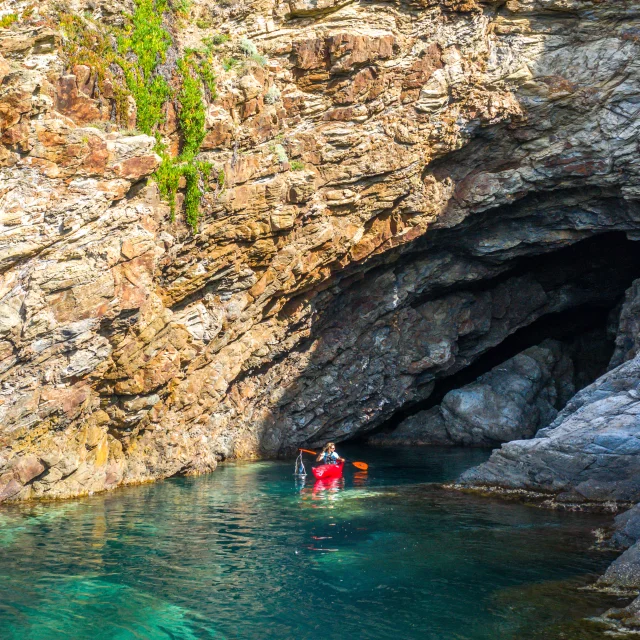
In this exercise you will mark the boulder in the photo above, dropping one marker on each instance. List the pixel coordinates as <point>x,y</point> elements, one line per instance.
<point>624,572</point>
<point>588,454</point>
<point>510,402</point>
<point>627,528</point>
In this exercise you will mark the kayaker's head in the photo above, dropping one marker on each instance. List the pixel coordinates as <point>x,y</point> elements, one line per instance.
<point>330,447</point>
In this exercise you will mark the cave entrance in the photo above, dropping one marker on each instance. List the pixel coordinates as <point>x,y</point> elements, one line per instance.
<point>603,267</point>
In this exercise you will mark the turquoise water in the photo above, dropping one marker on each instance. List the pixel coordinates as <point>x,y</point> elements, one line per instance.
<point>249,552</point>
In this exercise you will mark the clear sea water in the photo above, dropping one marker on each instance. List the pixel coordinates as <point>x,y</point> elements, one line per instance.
<point>251,552</point>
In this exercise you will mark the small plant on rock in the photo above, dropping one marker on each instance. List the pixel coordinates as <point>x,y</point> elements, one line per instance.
<point>248,48</point>
<point>281,154</point>
<point>273,95</point>
<point>259,60</point>
<point>182,7</point>
<point>7,20</point>
<point>230,63</point>
<point>217,39</point>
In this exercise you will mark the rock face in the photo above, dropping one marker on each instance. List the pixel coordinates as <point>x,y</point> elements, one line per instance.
<point>377,177</point>
<point>628,332</point>
<point>589,453</point>
<point>511,402</point>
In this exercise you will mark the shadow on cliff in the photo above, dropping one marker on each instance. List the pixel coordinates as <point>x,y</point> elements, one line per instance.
<point>400,336</point>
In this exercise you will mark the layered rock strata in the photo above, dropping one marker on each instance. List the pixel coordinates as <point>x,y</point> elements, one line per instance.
<point>377,173</point>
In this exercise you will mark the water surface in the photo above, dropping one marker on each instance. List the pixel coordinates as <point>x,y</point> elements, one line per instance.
<point>251,552</point>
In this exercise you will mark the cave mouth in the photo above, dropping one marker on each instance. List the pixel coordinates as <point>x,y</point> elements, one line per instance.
<point>607,264</point>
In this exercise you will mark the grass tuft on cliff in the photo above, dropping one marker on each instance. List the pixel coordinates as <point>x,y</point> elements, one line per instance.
<point>145,36</point>
<point>129,58</point>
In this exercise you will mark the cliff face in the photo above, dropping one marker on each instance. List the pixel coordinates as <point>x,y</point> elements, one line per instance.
<point>368,200</point>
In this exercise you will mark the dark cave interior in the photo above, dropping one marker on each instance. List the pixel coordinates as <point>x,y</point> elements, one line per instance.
<point>607,263</point>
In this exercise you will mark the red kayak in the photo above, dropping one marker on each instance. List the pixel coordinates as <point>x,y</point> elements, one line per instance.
<point>328,471</point>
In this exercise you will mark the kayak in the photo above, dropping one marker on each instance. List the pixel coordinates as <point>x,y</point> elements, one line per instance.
<point>328,471</point>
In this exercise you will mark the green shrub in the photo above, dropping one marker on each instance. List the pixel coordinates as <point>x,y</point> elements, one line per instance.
<point>7,20</point>
<point>146,37</point>
<point>138,49</point>
<point>191,113</point>
<point>182,7</point>
<point>296,165</point>
<point>167,176</point>
<point>208,77</point>
<point>216,39</point>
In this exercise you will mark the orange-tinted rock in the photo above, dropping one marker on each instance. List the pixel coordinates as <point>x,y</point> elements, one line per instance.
<point>77,106</point>
<point>421,69</point>
<point>311,54</point>
<point>219,136</point>
<point>18,135</point>
<point>12,106</point>
<point>135,168</point>
<point>347,50</point>
<point>5,69</point>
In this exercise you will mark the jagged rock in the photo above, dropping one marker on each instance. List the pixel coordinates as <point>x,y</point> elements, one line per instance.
<point>627,528</point>
<point>628,333</point>
<point>589,453</point>
<point>511,402</point>
<point>624,572</point>
<point>626,619</point>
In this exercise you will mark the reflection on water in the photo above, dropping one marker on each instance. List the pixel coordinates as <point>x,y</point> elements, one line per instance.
<point>251,551</point>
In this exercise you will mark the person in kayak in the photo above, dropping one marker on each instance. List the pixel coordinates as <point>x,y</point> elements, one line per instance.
<point>328,455</point>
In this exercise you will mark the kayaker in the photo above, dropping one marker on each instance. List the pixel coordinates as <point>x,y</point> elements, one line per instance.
<point>328,455</point>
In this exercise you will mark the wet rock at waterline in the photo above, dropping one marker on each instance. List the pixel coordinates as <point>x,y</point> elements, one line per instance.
<point>626,528</point>
<point>623,575</point>
<point>511,402</point>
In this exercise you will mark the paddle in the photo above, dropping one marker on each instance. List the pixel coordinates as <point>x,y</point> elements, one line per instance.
<point>358,465</point>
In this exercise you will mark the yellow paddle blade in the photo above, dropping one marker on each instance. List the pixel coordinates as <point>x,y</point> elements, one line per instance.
<point>360,465</point>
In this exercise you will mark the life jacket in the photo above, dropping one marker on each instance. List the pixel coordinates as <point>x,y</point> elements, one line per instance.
<point>330,458</point>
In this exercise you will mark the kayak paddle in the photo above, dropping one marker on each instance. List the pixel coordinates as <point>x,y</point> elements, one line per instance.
<point>358,465</point>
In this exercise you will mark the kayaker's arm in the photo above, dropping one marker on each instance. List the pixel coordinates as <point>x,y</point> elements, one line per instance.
<point>320,456</point>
